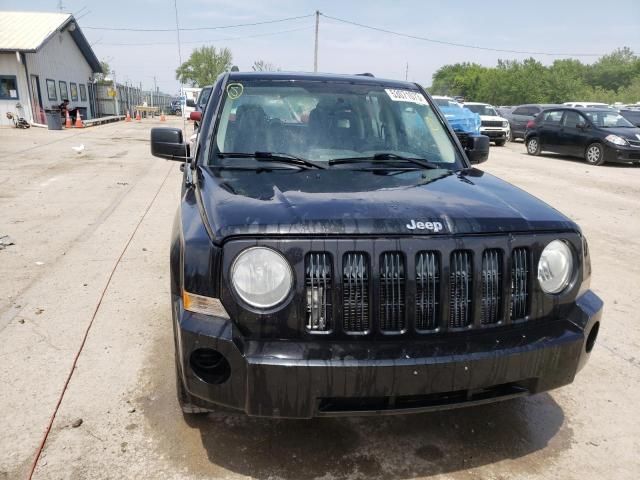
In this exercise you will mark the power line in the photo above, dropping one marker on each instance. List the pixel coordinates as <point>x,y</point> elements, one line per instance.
<point>462,45</point>
<point>123,29</point>
<point>207,41</point>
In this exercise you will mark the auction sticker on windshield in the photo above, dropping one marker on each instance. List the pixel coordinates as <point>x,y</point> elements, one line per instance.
<point>406,96</point>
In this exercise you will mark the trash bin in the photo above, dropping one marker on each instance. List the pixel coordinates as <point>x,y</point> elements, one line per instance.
<point>54,120</point>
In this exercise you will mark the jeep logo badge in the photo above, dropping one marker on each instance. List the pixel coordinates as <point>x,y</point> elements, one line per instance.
<point>433,226</point>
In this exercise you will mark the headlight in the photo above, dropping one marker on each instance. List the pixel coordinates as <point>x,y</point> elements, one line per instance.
<point>555,267</point>
<point>616,140</point>
<point>261,277</point>
<point>505,124</point>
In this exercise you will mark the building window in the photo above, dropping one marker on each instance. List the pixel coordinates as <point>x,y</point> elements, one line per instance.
<point>8,87</point>
<point>83,93</point>
<point>74,91</point>
<point>51,90</point>
<point>64,93</point>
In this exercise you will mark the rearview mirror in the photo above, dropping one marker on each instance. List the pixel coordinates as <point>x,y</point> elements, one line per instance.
<point>167,143</point>
<point>477,148</point>
<point>196,116</point>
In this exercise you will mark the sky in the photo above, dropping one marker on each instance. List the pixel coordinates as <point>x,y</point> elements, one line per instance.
<point>577,27</point>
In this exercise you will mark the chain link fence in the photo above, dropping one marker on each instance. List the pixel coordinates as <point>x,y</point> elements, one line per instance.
<point>127,98</point>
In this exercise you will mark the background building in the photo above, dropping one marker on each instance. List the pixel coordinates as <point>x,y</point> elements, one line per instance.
<point>44,58</point>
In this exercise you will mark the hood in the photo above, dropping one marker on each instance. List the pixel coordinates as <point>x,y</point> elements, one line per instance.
<point>348,202</point>
<point>624,132</point>
<point>493,118</point>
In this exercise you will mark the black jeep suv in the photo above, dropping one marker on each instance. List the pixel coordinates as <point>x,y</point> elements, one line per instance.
<point>335,253</point>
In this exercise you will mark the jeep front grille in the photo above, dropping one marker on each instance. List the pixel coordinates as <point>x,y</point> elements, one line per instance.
<point>491,286</point>
<point>430,291</point>
<point>460,289</point>
<point>491,123</point>
<point>519,284</point>
<point>318,283</point>
<point>427,290</point>
<point>355,292</point>
<point>392,292</point>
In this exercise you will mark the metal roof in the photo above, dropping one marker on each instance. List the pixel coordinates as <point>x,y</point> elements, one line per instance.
<point>28,31</point>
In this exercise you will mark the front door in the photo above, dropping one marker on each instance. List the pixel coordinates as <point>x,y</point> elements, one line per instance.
<point>549,130</point>
<point>573,136</point>
<point>36,100</point>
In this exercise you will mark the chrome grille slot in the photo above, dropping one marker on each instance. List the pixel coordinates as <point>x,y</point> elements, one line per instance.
<point>519,283</point>
<point>355,292</point>
<point>460,289</point>
<point>427,290</point>
<point>318,278</point>
<point>491,286</point>
<point>392,292</point>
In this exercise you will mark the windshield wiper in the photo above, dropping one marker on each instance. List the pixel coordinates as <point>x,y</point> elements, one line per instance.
<point>422,162</point>
<point>274,157</point>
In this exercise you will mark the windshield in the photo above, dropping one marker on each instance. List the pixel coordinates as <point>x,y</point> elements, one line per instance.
<point>605,119</point>
<point>445,102</point>
<point>323,121</point>
<point>486,110</point>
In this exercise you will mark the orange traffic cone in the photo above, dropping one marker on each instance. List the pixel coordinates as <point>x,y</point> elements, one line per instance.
<point>138,116</point>
<point>79,123</point>
<point>67,123</point>
<point>162,117</point>
<point>128,119</point>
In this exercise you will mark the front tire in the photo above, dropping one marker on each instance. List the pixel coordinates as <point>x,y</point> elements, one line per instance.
<point>533,146</point>
<point>500,143</point>
<point>594,154</point>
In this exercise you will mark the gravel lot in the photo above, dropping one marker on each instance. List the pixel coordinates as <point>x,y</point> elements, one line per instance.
<point>74,217</point>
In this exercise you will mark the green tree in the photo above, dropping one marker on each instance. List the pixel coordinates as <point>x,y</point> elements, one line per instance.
<point>262,66</point>
<point>106,70</point>
<point>613,77</point>
<point>204,66</point>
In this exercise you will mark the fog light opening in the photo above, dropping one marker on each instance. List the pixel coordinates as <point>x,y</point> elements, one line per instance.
<point>591,339</point>
<point>210,365</point>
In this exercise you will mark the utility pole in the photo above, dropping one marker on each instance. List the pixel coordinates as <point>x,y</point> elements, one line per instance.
<point>155,89</point>
<point>315,52</point>
<point>115,96</point>
<point>406,72</point>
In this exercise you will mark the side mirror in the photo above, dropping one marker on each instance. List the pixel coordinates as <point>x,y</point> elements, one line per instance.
<point>582,126</point>
<point>167,143</point>
<point>477,148</point>
<point>196,116</point>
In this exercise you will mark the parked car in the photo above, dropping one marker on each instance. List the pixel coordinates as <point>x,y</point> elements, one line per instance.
<point>503,110</point>
<point>462,120</point>
<point>354,261</point>
<point>598,135</point>
<point>632,115</point>
<point>521,115</point>
<point>175,107</point>
<point>492,125</point>
<point>586,104</point>
<point>201,104</point>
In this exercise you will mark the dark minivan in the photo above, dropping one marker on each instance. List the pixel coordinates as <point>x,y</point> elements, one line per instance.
<point>335,252</point>
<point>598,135</point>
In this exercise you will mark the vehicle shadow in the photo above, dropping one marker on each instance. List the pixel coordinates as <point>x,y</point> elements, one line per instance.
<point>566,158</point>
<point>390,447</point>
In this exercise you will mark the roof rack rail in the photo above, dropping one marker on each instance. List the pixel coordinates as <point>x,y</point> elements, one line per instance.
<point>366,74</point>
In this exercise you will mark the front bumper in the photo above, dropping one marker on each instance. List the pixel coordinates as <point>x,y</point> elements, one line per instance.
<point>495,133</point>
<point>307,378</point>
<point>621,154</point>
